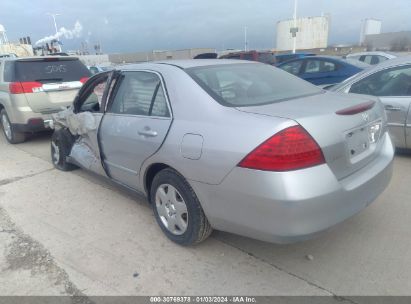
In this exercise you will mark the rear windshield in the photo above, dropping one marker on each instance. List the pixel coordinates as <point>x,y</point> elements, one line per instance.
<point>239,85</point>
<point>54,70</point>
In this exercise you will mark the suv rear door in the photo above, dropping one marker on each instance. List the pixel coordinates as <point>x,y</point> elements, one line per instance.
<point>47,83</point>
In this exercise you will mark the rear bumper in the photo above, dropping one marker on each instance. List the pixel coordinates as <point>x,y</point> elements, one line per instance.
<point>33,125</point>
<point>28,121</point>
<point>285,207</point>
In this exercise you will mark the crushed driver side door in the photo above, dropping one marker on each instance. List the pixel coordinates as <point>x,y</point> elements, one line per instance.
<point>83,120</point>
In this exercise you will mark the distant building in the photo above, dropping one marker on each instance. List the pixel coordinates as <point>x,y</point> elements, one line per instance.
<point>312,33</point>
<point>369,27</point>
<point>395,41</point>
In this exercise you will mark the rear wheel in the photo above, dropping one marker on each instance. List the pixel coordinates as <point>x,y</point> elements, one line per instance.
<point>11,135</point>
<point>177,209</point>
<point>61,143</point>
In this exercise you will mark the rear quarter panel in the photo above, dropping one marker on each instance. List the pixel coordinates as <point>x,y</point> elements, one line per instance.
<point>228,134</point>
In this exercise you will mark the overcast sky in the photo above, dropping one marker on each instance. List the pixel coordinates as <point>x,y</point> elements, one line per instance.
<point>136,25</point>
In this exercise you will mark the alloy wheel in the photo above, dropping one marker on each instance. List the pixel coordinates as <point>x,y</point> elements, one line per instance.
<point>55,152</point>
<point>6,126</point>
<point>171,209</point>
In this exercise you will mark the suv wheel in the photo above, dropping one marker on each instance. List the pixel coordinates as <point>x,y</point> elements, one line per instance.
<point>11,135</point>
<point>61,143</point>
<point>177,209</point>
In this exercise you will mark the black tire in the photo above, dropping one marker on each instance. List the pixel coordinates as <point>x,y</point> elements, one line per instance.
<point>198,228</point>
<point>63,140</point>
<point>13,137</point>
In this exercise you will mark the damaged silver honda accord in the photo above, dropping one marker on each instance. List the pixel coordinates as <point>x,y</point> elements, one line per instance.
<point>236,146</point>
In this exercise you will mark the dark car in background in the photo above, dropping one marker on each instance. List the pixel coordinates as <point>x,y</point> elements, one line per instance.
<point>260,56</point>
<point>323,70</point>
<point>280,58</point>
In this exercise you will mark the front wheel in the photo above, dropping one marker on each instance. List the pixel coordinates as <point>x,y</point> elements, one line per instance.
<point>177,209</point>
<point>11,135</point>
<point>61,143</point>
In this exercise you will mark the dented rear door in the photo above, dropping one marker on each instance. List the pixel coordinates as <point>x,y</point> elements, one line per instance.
<point>134,126</point>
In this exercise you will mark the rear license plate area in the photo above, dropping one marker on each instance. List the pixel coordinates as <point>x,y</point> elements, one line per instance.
<point>361,139</point>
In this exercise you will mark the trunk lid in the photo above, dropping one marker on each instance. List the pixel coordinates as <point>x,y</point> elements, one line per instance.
<point>349,140</point>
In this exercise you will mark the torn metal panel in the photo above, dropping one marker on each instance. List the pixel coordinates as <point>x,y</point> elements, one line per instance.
<point>78,124</point>
<point>85,156</point>
<point>85,150</point>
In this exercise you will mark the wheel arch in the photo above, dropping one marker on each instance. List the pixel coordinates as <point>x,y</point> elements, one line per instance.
<point>151,172</point>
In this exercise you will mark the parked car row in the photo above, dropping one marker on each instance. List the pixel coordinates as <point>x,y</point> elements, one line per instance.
<point>323,70</point>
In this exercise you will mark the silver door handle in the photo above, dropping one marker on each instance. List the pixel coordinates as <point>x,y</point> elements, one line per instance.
<point>392,108</point>
<point>147,133</point>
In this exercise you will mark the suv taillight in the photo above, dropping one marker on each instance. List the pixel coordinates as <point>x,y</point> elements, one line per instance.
<point>25,87</point>
<point>290,149</point>
<point>83,79</point>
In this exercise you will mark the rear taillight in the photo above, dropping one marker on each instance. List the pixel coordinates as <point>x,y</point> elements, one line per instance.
<point>290,149</point>
<point>25,87</point>
<point>83,79</point>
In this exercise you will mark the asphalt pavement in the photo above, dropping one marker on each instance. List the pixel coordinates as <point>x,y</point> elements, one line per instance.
<point>77,234</point>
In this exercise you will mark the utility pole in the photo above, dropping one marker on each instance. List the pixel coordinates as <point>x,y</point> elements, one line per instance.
<point>55,27</point>
<point>245,39</point>
<point>294,30</point>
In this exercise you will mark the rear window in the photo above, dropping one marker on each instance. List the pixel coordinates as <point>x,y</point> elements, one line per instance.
<point>239,85</point>
<point>55,70</point>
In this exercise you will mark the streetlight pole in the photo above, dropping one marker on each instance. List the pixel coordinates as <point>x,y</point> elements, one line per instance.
<point>295,27</point>
<point>55,27</point>
<point>245,39</point>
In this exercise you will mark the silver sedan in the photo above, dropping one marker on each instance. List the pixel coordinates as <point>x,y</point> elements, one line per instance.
<point>236,146</point>
<point>391,82</point>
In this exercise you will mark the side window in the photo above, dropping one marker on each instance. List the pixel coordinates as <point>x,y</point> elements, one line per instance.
<point>381,58</point>
<point>8,71</point>
<point>292,67</point>
<point>92,102</point>
<point>93,70</point>
<point>140,93</point>
<point>391,82</point>
<point>159,106</point>
<point>319,66</point>
<point>354,57</point>
<point>328,66</point>
<point>368,59</point>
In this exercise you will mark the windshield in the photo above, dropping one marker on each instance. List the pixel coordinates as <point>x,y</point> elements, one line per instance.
<point>238,85</point>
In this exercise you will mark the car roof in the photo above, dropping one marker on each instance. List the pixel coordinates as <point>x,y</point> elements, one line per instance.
<point>185,64</point>
<point>393,62</point>
<point>390,55</point>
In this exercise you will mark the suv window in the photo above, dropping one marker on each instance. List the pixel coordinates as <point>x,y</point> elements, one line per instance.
<point>140,93</point>
<point>391,82</point>
<point>319,66</point>
<point>47,70</point>
<point>292,67</point>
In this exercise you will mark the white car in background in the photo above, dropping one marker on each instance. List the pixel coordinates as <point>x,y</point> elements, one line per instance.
<point>371,57</point>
